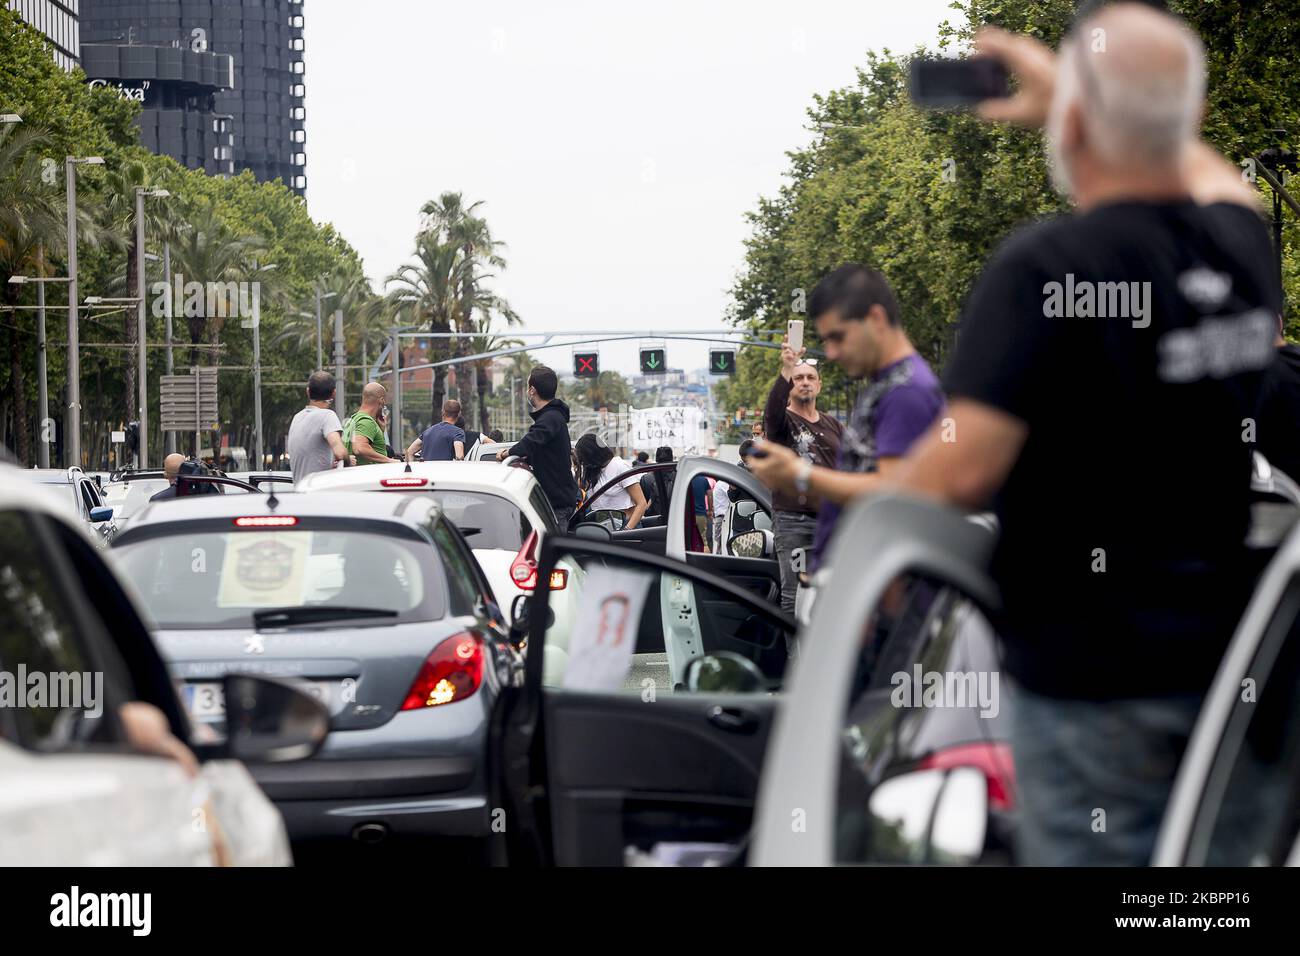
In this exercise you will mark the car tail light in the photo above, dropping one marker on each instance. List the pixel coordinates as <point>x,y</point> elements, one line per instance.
<point>403,482</point>
<point>523,569</point>
<point>452,672</point>
<point>266,521</point>
<point>992,759</point>
<point>559,579</point>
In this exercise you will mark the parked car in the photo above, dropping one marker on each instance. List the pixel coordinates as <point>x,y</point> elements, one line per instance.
<point>502,512</point>
<point>80,496</point>
<point>372,603</point>
<point>128,491</point>
<point>77,792</point>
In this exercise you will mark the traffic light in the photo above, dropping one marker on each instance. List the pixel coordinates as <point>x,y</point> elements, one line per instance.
<point>586,364</point>
<point>653,361</point>
<point>133,437</point>
<point>722,361</point>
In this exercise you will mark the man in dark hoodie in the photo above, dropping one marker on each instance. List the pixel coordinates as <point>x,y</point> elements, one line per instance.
<point>546,445</point>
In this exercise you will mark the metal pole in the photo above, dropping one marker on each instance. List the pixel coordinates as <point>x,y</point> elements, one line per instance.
<point>167,279</point>
<point>395,348</point>
<point>514,386</point>
<point>198,404</point>
<point>42,369</point>
<point>257,377</point>
<point>320,355</point>
<point>72,431</point>
<point>142,334</point>
<point>340,359</point>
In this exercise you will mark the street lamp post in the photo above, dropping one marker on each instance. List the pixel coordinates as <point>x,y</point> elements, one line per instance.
<point>73,428</point>
<point>320,354</point>
<point>340,359</point>
<point>142,334</point>
<point>42,355</point>
<point>257,367</point>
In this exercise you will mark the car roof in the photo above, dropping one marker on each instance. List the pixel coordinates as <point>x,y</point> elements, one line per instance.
<point>407,509</point>
<point>461,475</point>
<point>18,492</point>
<point>50,476</point>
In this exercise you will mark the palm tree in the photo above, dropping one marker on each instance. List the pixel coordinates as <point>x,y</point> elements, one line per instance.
<point>32,223</point>
<point>354,297</point>
<point>209,253</point>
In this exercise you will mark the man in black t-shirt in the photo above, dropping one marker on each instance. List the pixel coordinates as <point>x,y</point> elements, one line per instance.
<point>1104,365</point>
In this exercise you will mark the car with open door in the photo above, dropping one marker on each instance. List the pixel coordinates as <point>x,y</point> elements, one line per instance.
<point>748,553</point>
<point>931,779</point>
<point>611,751</point>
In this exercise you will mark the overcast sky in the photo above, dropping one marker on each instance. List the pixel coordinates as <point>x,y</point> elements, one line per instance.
<point>616,146</point>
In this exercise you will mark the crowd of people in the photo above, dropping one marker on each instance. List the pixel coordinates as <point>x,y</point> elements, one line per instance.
<point>1055,423</point>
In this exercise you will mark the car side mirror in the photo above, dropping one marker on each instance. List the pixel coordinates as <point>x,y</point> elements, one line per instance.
<point>101,514</point>
<point>724,672</point>
<point>930,816</point>
<point>519,620</point>
<point>752,544</point>
<point>269,721</point>
<point>594,531</point>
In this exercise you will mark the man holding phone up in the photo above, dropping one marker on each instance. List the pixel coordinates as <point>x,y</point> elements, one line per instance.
<point>791,419</point>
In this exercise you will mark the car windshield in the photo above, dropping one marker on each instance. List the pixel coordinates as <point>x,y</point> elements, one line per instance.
<point>221,578</point>
<point>128,497</point>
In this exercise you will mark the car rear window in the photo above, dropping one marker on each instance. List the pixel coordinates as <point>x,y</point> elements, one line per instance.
<point>218,579</point>
<point>486,521</point>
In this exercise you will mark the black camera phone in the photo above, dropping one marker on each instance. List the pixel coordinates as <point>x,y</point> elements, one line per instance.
<point>949,82</point>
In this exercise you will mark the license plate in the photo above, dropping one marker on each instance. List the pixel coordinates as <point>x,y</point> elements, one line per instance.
<point>206,700</point>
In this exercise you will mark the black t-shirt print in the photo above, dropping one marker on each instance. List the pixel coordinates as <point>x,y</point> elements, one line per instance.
<point>1132,341</point>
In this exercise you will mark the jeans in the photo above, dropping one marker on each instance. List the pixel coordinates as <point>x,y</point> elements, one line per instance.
<point>793,530</point>
<point>1093,777</point>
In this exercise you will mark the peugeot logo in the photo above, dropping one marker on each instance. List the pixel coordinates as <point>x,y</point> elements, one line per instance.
<point>253,644</point>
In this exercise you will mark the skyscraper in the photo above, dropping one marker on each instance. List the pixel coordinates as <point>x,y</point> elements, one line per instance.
<point>57,19</point>
<point>261,117</point>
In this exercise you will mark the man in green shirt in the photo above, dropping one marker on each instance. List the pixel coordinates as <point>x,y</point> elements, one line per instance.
<point>362,434</point>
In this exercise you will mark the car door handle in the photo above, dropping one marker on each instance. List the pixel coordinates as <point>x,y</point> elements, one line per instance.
<point>733,719</point>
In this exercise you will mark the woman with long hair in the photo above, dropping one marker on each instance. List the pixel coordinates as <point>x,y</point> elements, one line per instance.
<point>599,464</point>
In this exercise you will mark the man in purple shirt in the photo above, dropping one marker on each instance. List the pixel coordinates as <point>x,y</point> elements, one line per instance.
<point>859,322</point>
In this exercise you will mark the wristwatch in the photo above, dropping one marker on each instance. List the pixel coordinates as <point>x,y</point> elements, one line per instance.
<point>802,476</point>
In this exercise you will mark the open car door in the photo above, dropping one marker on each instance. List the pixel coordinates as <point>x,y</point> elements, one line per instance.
<point>650,532</point>
<point>601,757</point>
<point>1236,799</point>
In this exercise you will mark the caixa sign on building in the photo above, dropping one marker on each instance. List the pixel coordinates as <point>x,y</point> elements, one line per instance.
<point>136,93</point>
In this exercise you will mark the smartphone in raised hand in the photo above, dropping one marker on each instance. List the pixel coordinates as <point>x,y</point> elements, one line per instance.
<point>945,82</point>
<point>794,335</point>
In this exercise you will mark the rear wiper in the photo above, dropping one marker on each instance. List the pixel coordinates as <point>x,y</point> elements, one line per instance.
<point>288,616</point>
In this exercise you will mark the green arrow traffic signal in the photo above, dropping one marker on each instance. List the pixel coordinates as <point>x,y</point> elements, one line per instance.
<point>653,360</point>
<point>722,361</point>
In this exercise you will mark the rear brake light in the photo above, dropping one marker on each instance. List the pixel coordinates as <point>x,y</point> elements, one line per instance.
<point>266,521</point>
<point>452,672</point>
<point>993,760</point>
<point>523,569</point>
<point>403,482</point>
<point>559,579</point>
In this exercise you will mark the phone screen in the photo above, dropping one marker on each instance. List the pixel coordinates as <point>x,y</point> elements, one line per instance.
<point>794,335</point>
<point>949,82</point>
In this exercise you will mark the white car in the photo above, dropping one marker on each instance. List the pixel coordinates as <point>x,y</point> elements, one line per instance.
<point>502,512</point>
<point>76,793</point>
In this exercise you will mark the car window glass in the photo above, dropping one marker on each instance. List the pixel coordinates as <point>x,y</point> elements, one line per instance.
<point>615,615</point>
<point>542,505</point>
<point>462,582</point>
<point>1250,810</point>
<point>925,691</point>
<point>486,521</point>
<point>209,579</point>
<point>42,646</point>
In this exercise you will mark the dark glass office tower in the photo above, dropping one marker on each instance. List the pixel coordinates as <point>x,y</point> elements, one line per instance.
<point>57,19</point>
<point>263,111</point>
